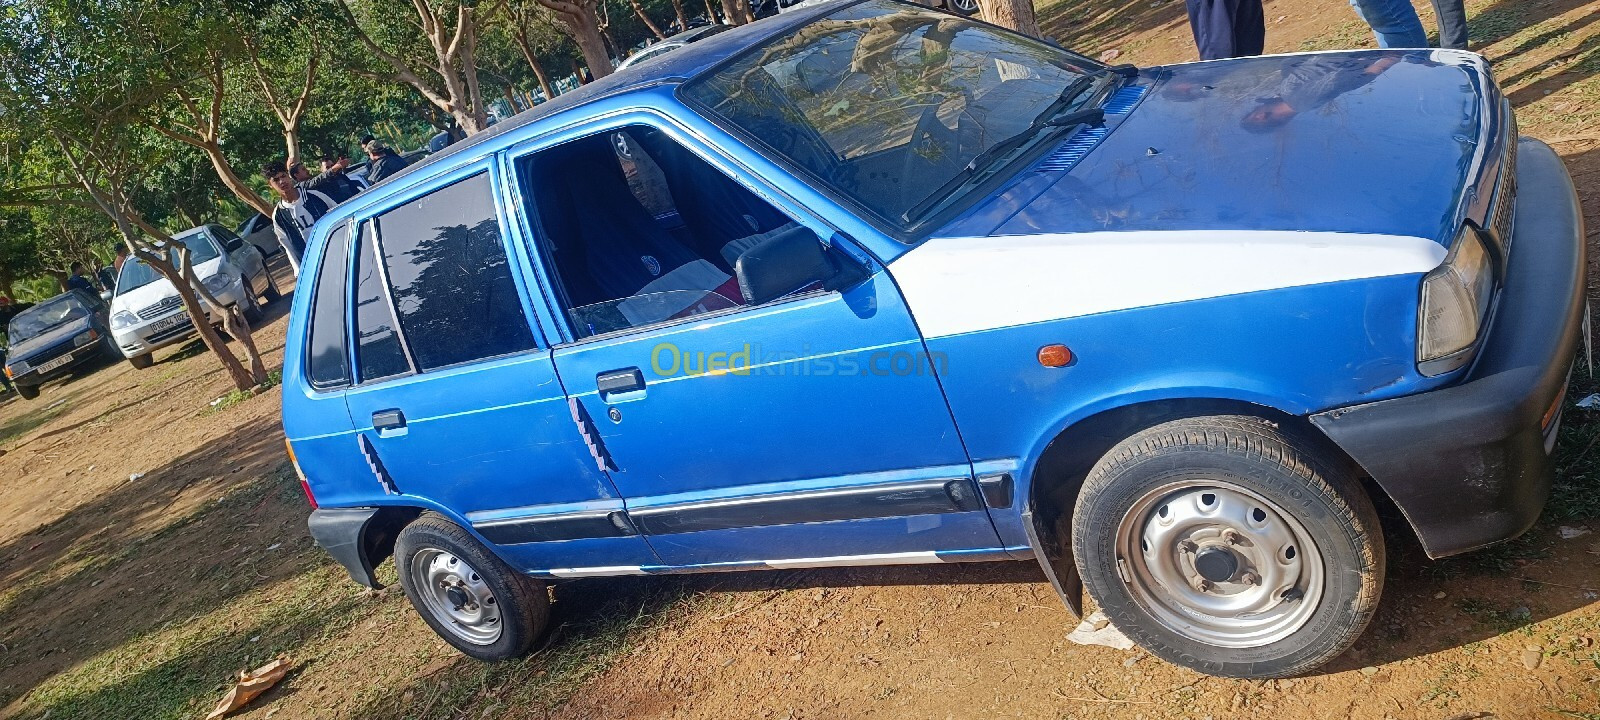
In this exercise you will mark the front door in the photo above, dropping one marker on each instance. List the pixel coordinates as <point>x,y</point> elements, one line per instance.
<point>456,400</point>
<point>803,430</point>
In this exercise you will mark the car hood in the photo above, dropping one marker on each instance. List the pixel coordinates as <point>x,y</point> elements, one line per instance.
<point>142,297</point>
<point>1377,142</point>
<point>39,343</point>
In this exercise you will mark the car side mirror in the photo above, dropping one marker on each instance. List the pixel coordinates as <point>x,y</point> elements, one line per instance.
<point>786,263</point>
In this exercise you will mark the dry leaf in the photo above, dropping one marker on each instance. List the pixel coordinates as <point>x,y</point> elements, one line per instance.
<point>251,683</point>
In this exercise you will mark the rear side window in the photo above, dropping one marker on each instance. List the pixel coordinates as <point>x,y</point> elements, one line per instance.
<point>378,351</point>
<point>451,281</point>
<point>328,360</point>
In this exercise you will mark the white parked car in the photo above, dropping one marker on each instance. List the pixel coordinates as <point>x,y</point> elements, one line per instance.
<point>146,312</point>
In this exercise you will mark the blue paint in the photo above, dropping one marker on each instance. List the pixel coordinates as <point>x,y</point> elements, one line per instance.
<point>825,404</point>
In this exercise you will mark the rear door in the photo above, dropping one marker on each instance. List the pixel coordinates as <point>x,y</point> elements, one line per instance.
<point>456,402</point>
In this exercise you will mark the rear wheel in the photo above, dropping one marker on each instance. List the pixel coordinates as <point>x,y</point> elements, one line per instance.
<point>273,294</point>
<point>140,362</point>
<point>1225,545</point>
<point>468,596</point>
<point>28,392</point>
<point>964,7</point>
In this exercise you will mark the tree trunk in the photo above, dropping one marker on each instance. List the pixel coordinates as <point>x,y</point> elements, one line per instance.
<point>586,32</point>
<point>711,14</point>
<point>577,71</point>
<point>737,11</point>
<point>521,37</point>
<point>1015,14</point>
<point>637,10</point>
<point>683,20</point>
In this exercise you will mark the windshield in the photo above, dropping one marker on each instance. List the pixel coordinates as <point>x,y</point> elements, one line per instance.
<point>136,274</point>
<point>46,315</point>
<point>887,102</point>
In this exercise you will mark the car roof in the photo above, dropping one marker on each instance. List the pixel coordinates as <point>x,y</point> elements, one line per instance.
<point>671,68</point>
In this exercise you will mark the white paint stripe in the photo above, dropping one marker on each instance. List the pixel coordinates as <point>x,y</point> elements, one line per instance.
<point>598,571</point>
<point>963,285</point>
<point>903,558</point>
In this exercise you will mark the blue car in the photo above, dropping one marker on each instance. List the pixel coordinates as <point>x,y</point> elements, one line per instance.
<point>874,284</point>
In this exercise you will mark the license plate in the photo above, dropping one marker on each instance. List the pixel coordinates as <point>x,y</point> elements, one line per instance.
<point>53,364</point>
<point>169,322</point>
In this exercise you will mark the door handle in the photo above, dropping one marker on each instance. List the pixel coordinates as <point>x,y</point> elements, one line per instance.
<point>388,420</point>
<point>616,382</point>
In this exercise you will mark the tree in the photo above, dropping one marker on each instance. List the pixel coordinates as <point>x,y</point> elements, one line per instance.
<point>272,48</point>
<point>736,11</point>
<point>580,20</point>
<point>1015,14</point>
<point>78,96</point>
<point>450,29</point>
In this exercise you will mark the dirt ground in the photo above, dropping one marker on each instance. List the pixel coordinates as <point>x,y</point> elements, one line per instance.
<point>152,545</point>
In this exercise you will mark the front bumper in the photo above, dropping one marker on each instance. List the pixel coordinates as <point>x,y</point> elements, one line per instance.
<point>1469,464</point>
<point>78,356</point>
<point>144,338</point>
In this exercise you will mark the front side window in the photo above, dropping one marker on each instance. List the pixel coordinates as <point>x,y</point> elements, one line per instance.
<point>639,230</point>
<point>450,278</point>
<point>886,102</point>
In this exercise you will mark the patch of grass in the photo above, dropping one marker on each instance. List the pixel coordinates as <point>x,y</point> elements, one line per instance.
<point>1441,690</point>
<point>236,397</point>
<point>574,653</point>
<point>1502,620</point>
<point>46,411</point>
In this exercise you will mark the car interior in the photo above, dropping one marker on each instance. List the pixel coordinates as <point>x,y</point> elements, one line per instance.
<point>640,230</point>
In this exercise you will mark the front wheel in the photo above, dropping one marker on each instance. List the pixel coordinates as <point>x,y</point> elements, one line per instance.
<point>28,392</point>
<point>964,7</point>
<point>468,596</point>
<point>1227,546</point>
<point>140,362</point>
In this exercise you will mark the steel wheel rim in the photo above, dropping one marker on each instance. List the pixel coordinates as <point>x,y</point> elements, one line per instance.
<point>456,595</point>
<point>1177,542</point>
<point>966,6</point>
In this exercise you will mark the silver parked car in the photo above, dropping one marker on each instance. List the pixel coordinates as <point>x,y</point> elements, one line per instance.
<point>258,231</point>
<point>146,312</point>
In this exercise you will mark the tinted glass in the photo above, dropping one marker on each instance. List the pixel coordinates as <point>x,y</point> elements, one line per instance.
<point>886,102</point>
<point>328,360</point>
<point>451,280</point>
<point>377,346</point>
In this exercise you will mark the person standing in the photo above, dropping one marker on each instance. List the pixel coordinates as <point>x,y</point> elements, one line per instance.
<point>382,162</point>
<point>332,182</point>
<point>1452,18</point>
<point>1227,28</point>
<point>79,281</point>
<point>297,211</point>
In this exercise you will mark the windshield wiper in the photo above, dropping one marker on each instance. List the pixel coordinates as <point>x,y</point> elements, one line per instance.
<point>1053,117</point>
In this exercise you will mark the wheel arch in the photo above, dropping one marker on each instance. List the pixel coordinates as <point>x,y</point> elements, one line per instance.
<point>1057,476</point>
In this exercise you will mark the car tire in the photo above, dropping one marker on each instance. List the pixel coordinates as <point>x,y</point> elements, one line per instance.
<point>251,307</point>
<point>1227,545</point>
<point>28,392</point>
<point>140,362</point>
<point>273,294</point>
<point>962,7</point>
<point>470,597</point>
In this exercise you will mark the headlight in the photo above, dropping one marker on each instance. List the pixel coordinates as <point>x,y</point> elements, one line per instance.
<point>1455,297</point>
<point>123,319</point>
<point>84,338</point>
<point>19,367</point>
<point>219,282</point>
